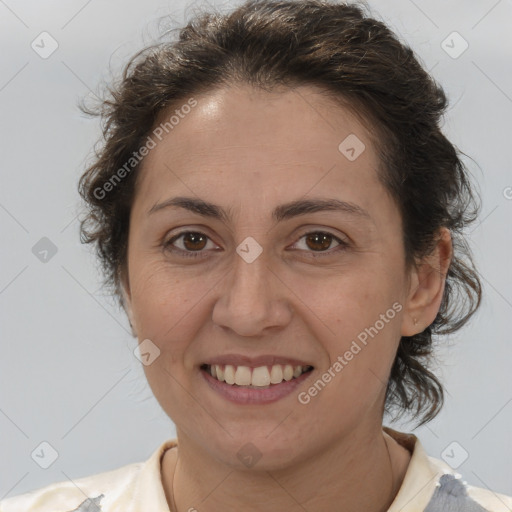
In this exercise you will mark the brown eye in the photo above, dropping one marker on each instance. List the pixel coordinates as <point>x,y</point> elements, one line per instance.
<point>193,243</point>
<point>319,241</point>
<point>316,243</point>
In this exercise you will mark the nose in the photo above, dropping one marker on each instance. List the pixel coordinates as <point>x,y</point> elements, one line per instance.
<point>253,299</point>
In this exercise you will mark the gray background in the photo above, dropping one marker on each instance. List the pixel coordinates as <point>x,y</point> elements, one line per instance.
<point>67,369</point>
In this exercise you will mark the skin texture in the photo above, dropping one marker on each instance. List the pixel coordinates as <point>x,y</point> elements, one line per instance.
<point>250,151</point>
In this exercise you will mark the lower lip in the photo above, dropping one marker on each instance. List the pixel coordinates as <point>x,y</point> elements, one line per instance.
<point>242,395</point>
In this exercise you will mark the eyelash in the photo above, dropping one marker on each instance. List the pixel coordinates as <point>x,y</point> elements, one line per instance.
<point>343,245</point>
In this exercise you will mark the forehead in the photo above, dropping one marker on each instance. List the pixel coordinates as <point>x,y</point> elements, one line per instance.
<point>241,141</point>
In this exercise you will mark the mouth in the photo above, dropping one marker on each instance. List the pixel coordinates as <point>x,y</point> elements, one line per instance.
<point>260,377</point>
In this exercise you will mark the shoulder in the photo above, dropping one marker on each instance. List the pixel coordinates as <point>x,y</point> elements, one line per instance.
<point>79,495</point>
<point>431,485</point>
<point>453,491</point>
<point>136,487</point>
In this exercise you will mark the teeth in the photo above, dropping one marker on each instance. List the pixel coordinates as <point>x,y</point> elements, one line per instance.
<point>229,374</point>
<point>243,376</point>
<point>256,377</point>
<point>288,372</point>
<point>260,376</point>
<point>276,374</point>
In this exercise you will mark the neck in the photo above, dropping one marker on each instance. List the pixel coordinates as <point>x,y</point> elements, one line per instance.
<point>360,473</point>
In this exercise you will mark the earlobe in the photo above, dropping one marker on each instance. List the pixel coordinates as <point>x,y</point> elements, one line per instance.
<point>427,287</point>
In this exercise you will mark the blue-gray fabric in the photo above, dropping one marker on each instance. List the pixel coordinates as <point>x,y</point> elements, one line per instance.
<point>451,496</point>
<point>90,505</point>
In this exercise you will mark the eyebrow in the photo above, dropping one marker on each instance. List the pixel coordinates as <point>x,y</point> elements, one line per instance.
<point>282,212</point>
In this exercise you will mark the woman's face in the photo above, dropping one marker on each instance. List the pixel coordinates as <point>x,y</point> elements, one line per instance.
<point>260,289</point>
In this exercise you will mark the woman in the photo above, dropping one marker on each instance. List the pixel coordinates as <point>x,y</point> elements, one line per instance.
<point>281,218</point>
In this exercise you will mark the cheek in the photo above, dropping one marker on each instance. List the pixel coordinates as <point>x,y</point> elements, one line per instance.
<point>169,306</point>
<point>165,306</point>
<point>360,315</point>
<point>348,301</point>
<point>159,299</point>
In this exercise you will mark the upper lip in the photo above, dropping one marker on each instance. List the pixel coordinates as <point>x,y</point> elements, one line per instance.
<point>254,362</point>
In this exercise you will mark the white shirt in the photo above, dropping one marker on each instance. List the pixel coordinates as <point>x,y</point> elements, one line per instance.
<point>138,487</point>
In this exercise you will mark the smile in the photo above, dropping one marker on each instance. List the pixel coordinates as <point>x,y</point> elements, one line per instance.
<point>254,385</point>
<point>259,377</point>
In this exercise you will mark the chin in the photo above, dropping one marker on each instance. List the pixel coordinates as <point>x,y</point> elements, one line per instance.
<point>258,452</point>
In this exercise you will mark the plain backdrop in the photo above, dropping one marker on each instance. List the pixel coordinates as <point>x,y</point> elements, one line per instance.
<point>68,373</point>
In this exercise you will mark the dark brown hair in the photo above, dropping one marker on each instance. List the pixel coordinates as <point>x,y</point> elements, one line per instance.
<point>354,59</point>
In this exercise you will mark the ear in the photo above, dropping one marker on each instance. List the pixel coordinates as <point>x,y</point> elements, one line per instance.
<point>427,282</point>
<point>127,301</point>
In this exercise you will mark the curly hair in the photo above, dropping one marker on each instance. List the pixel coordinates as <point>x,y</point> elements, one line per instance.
<point>357,61</point>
